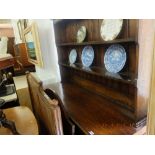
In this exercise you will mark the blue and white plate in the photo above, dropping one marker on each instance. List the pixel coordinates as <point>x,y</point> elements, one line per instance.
<point>72,56</point>
<point>87,56</point>
<point>115,58</point>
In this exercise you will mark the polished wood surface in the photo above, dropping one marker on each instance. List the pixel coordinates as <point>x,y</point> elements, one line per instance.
<point>21,58</point>
<point>7,63</point>
<point>11,50</point>
<point>92,113</point>
<point>21,54</point>
<point>10,46</point>
<point>24,119</point>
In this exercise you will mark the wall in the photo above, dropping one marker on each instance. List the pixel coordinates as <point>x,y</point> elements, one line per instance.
<point>146,44</point>
<point>3,45</point>
<point>6,30</point>
<point>151,102</point>
<point>15,29</point>
<point>50,72</point>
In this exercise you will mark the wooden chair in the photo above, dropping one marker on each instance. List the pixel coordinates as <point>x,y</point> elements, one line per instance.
<point>46,110</point>
<point>34,84</point>
<point>24,120</point>
<point>69,127</point>
<point>50,113</point>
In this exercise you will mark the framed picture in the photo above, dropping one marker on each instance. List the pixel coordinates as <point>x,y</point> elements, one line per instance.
<point>25,22</point>
<point>20,29</point>
<point>33,45</point>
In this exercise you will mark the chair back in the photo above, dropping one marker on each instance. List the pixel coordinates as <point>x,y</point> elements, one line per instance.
<point>68,126</point>
<point>34,83</point>
<point>45,109</point>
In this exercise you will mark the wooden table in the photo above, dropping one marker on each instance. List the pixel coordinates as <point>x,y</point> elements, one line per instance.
<point>6,62</point>
<point>92,113</point>
<point>24,119</point>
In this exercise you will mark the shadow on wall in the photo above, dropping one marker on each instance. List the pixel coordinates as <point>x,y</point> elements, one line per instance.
<point>50,72</point>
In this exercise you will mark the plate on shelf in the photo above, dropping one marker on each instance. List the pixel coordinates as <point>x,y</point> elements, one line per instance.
<point>115,58</point>
<point>81,34</point>
<point>87,56</point>
<point>110,28</point>
<point>72,56</point>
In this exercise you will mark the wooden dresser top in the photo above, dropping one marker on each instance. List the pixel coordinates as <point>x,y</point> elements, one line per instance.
<point>91,112</point>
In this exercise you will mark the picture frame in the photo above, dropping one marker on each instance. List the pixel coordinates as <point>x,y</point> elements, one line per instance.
<point>25,22</point>
<point>20,29</point>
<point>31,38</point>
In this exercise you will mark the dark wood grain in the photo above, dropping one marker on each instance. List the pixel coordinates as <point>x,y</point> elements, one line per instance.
<point>91,112</point>
<point>7,63</point>
<point>128,40</point>
<point>10,46</point>
<point>99,71</point>
<point>21,54</point>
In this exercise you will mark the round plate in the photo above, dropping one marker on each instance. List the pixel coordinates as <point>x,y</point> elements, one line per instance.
<point>81,34</point>
<point>87,56</point>
<point>72,56</point>
<point>115,58</point>
<point>110,28</point>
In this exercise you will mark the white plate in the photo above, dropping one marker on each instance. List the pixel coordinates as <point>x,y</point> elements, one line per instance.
<point>115,58</point>
<point>87,56</point>
<point>72,56</point>
<point>81,34</point>
<point>110,28</point>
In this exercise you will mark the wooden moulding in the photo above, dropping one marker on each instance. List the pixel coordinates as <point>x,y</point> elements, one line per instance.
<point>99,71</point>
<point>116,41</point>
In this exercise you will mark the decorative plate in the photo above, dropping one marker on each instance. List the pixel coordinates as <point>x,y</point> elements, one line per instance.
<point>115,58</point>
<point>87,56</point>
<point>81,34</point>
<point>110,28</point>
<point>72,56</point>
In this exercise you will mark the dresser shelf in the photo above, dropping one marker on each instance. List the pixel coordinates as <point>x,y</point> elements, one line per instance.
<point>124,89</point>
<point>124,77</point>
<point>127,40</point>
